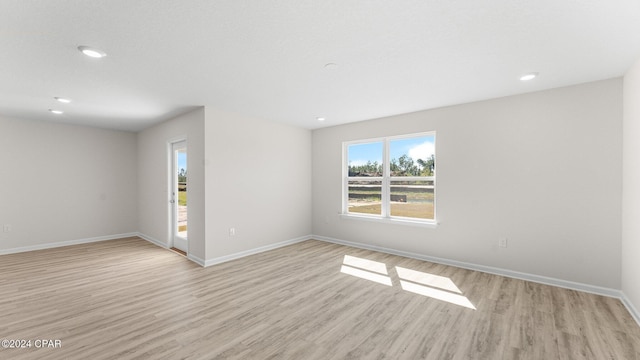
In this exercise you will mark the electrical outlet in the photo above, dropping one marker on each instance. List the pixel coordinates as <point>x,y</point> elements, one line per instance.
<point>502,242</point>
<point>232,231</point>
<point>6,228</point>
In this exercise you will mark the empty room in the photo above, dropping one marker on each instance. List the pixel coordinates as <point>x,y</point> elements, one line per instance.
<point>319,179</point>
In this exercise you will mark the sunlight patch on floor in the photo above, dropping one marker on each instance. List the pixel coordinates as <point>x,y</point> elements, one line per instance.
<point>417,282</point>
<point>436,281</point>
<point>365,264</point>
<point>436,294</point>
<point>380,279</point>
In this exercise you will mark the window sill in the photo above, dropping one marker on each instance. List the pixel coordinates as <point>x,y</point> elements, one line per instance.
<point>408,222</point>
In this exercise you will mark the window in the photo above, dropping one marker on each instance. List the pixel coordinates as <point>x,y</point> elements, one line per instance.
<point>391,178</point>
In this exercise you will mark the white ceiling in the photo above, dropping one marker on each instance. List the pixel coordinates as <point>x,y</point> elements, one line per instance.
<point>266,58</point>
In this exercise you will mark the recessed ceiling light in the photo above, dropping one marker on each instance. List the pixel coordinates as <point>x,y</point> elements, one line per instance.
<point>330,66</point>
<point>321,119</point>
<point>92,52</point>
<point>57,112</point>
<point>529,76</point>
<point>62,100</point>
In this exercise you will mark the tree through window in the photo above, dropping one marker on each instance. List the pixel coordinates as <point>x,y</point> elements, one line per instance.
<point>391,177</point>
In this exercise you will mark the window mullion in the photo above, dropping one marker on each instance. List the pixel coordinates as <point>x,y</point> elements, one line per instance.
<point>386,211</point>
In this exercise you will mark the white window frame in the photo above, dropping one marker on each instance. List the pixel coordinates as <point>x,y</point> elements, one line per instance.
<point>385,180</point>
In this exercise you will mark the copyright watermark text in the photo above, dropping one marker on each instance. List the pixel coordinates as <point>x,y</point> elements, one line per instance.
<point>30,343</point>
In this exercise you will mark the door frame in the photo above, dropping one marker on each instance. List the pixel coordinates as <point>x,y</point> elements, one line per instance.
<point>172,193</point>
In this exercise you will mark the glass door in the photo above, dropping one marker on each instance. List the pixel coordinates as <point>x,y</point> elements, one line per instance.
<point>179,195</point>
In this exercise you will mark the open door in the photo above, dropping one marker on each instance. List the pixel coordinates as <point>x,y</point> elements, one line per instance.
<point>179,190</point>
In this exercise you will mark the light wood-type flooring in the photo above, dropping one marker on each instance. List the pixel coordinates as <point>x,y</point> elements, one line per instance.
<point>129,299</point>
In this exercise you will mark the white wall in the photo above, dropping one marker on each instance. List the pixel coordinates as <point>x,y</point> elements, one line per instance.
<point>631,188</point>
<point>542,169</point>
<point>65,183</point>
<point>258,180</point>
<point>153,179</point>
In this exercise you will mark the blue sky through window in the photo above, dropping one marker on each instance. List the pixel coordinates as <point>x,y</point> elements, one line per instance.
<point>417,148</point>
<point>360,154</point>
<point>182,161</point>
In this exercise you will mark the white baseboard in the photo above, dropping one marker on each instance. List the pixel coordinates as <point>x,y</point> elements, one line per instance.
<point>65,243</point>
<point>632,309</point>
<point>258,250</point>
<point>163,245</point>
<point>230,257</point>
<point>152,240</point>
<point>487,269</point>
<point>196,259</point>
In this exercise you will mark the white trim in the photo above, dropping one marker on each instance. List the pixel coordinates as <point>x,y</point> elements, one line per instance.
<point>258,250</point>
<point>181,143</point>
<point>152,240</point>
<point>390,220</point>
<point>385,206</point>
<point>159,243</point>
<point>66,243</point>
<point>386,179</point>
<point>487,269</point>
<point>196,259</point>
<point>365,178</point>
<point>629,305</point>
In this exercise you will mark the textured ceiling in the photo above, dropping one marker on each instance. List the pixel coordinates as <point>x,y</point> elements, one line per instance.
<point>267,58</point>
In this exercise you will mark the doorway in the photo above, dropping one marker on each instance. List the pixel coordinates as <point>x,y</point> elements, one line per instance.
<point>179,191</point>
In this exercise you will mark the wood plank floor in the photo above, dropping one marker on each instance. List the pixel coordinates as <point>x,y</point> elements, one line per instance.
<point>128,299</point>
